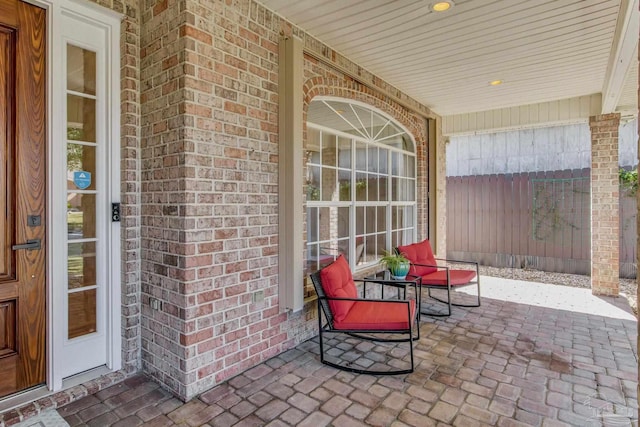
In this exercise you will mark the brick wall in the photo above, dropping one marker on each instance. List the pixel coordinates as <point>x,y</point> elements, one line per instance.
<point>199,184</point>
<point>604,204</point>
<point>209,193</point>
<point>162,187</point>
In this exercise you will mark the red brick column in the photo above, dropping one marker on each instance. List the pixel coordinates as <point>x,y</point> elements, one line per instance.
<point>605,246</point>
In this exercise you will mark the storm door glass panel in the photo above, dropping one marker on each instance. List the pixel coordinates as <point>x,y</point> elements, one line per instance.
<point>82,177</point>
<point>82,288</point>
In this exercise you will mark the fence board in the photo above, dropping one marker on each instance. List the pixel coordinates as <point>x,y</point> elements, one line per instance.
<point>516,209</point>
<point>628,234</point>
<point>524,214</point>
<point>462,225</point>
<point>500,214</point>
<point>537,243</point>
<point>507,185</point>
<point>584,233</point>
<point>493,221</point>
<point>471,229</point>
<point>451,207</point>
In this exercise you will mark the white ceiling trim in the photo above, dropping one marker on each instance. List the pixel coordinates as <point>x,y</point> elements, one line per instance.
<point>622,54</point>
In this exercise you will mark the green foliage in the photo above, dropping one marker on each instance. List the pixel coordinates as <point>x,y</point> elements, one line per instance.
<point>629,180</point>
<point>392,260</point>
<point>74,151</point>
<point>345,189</point>
<point>313,192</point>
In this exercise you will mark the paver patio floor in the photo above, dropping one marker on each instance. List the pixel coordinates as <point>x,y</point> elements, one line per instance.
<point>532,354</point>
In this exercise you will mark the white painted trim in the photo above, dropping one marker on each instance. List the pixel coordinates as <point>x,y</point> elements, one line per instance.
<point>290,170</point>
<point>623,52</point>
<point>94,11</point>
<point>395,121</point>
<point>54,127</point>
<point>544,114</point>
<point>311,125</point>
<point>114,292</point>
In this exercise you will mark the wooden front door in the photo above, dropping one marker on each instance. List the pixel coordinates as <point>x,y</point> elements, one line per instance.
<point>22,196</point>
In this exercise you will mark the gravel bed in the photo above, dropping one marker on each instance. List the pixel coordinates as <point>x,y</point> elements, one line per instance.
<point>627,286</point>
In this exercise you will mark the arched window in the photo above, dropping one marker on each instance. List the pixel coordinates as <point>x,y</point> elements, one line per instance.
<point>360,183</point>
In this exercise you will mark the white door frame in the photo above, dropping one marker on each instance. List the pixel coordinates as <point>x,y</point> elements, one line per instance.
<point>109,22</point>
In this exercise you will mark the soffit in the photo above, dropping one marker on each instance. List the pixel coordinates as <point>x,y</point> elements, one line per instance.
<point>628,102</point>
<point>543,50</point>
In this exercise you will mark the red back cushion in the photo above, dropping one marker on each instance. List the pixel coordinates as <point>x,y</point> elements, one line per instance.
<point>337,282</point>
<point>419,253</point>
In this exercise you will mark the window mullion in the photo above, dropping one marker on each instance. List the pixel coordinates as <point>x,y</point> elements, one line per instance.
<point>390,198</point>
<point>352,208</point>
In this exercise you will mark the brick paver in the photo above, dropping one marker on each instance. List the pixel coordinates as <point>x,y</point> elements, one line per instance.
<point>503,364</point>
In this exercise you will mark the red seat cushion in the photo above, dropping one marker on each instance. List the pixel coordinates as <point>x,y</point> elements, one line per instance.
<point>456,277</point>
<point>378,316</point>
<point>337,282</point>
<point>419,253</point>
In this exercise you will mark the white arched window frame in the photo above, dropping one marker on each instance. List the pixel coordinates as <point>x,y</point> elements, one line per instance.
<point>360,181</point>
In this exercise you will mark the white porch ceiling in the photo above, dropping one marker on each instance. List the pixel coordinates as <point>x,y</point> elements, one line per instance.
<point>543,50</point>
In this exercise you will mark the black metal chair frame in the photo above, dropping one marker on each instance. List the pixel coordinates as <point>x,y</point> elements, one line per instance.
<point>448,286</point>
<point>364,334</point>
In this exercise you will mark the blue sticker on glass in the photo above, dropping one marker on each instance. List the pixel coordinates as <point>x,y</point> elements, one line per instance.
<point>82,179</point>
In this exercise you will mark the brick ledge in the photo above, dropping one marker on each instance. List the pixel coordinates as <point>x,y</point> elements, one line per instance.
<point>61,398</point>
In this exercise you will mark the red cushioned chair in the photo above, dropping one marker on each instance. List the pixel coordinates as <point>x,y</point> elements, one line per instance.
<point>370,319</point>
<point>425,265</point>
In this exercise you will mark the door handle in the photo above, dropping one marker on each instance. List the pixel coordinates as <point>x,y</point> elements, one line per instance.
<point>30,245</point>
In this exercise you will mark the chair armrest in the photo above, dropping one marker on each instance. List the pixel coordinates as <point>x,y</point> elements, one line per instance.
<point>444,267</point>
<point>457,261</point>
<point>462,262</point>
<point>385,301</point>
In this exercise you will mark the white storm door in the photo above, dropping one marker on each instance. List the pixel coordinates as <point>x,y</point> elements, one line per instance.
<point>85,266</point>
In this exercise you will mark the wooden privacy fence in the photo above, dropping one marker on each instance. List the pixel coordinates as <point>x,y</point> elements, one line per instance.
<point>535,220</point>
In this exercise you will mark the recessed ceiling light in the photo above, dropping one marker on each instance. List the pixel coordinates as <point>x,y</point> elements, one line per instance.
<point>441,6</point>
<point>496,82</point>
